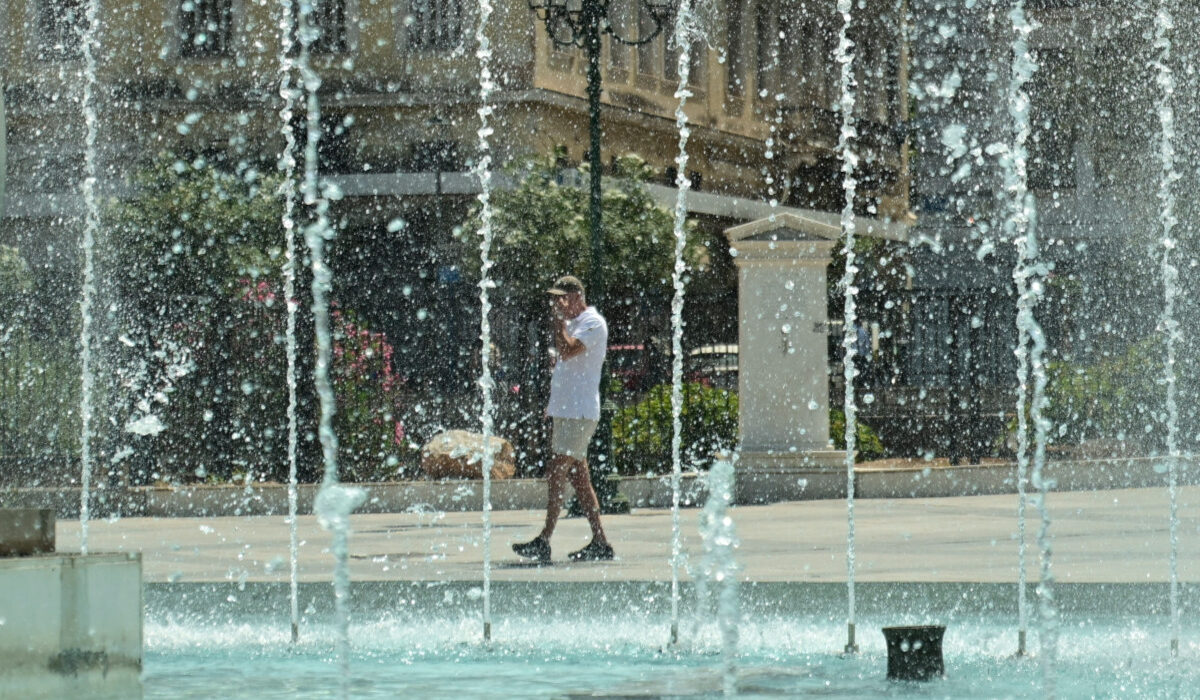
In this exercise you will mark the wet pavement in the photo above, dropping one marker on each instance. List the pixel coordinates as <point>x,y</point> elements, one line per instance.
<point>1098,536</point>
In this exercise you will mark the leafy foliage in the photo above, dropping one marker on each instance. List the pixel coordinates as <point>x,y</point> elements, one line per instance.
<point>38,376</point>
<point>642,432</point>
<point>868,446</point>
<point>195,354</point>
<point>191,234</point>
<point>542,230</point>
<point>195,260</point>
<point>1116,399</point>
<point>371,437</point>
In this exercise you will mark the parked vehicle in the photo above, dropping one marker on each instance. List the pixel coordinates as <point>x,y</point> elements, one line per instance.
<point>715,366</point>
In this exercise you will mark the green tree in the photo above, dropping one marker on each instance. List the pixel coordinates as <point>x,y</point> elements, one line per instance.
<point>198,371</point>
<point>1118,399</point>
<point>542,230</point>
<point>38,378</point>
<point>867,444</point>
<point>193,265</point>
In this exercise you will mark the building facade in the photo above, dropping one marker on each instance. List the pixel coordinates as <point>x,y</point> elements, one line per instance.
<point>399,94</point>
<point>1094,167</point>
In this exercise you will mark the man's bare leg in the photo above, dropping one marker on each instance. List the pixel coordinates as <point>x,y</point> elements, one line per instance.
<point>581,480</point>
<point>556,486</point>
<point>561,470</point>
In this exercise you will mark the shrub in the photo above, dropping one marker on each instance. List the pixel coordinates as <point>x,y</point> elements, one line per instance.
<point>543,230</point>
<point>372,441</point>
<point>198,350</point>
<point>867,445</point>
<point>373,445</point>
<point>642,432</point>
<point>192,267</point>
<point>1120,398</point>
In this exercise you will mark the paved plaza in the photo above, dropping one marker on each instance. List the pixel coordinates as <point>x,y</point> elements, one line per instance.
<point>1098,536</point>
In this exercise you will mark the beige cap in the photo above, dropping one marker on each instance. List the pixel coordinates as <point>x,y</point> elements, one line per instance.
<point>567,284</point>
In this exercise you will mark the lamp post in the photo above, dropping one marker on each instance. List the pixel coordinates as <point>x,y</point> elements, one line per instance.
<point>581,23</point>
<point>3,144</point>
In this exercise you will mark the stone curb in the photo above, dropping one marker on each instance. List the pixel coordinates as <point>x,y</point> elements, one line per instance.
<point>643,492</point>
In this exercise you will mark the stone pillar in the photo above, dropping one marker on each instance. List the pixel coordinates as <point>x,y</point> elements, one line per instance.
<point>783,380</point>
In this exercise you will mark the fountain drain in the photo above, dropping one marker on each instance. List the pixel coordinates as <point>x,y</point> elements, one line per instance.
<point>915,652</point>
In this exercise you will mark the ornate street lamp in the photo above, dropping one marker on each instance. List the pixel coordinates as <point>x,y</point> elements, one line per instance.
<point>581,23</point>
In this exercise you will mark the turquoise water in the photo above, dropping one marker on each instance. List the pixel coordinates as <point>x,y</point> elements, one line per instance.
<point>606,640</point>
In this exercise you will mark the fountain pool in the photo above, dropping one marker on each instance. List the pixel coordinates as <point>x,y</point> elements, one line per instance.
<point>418,639</point>
<point>934,108</point>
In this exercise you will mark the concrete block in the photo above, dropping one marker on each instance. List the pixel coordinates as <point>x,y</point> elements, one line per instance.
<point>772,476</point>
<point>935,482</point>
<point>72,626</point>
<point>1122,473</point>
<point>207,500</point>
<point>655,491</point>
<point>25,531</point>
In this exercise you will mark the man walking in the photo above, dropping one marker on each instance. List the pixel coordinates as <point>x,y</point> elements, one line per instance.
<point>580,342</point>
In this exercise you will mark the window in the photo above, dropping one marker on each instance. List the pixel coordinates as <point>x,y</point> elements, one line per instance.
<point>622,22</point>
<point>1052,146</point>
<point>697,64</point>
<point>766,39</point>
<point>649,52</point>
<point>435,24</point>
<point>329,20</point>
<point>60,25</point>
<point>735,62</point>
<point>206,28</point>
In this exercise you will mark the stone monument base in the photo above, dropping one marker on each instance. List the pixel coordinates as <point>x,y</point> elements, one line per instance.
<point>768,476</point>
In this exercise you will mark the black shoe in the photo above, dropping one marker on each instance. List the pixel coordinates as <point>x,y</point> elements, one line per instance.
<point>537,548</point>
<point>596,551</point>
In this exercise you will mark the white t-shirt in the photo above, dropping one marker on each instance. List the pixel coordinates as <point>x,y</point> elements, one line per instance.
<point>575,382</point>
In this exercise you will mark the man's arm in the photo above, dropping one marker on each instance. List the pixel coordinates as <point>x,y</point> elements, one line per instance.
<point>568,346</point>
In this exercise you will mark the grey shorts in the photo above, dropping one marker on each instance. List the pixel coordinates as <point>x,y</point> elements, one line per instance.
<point>571,436</point>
